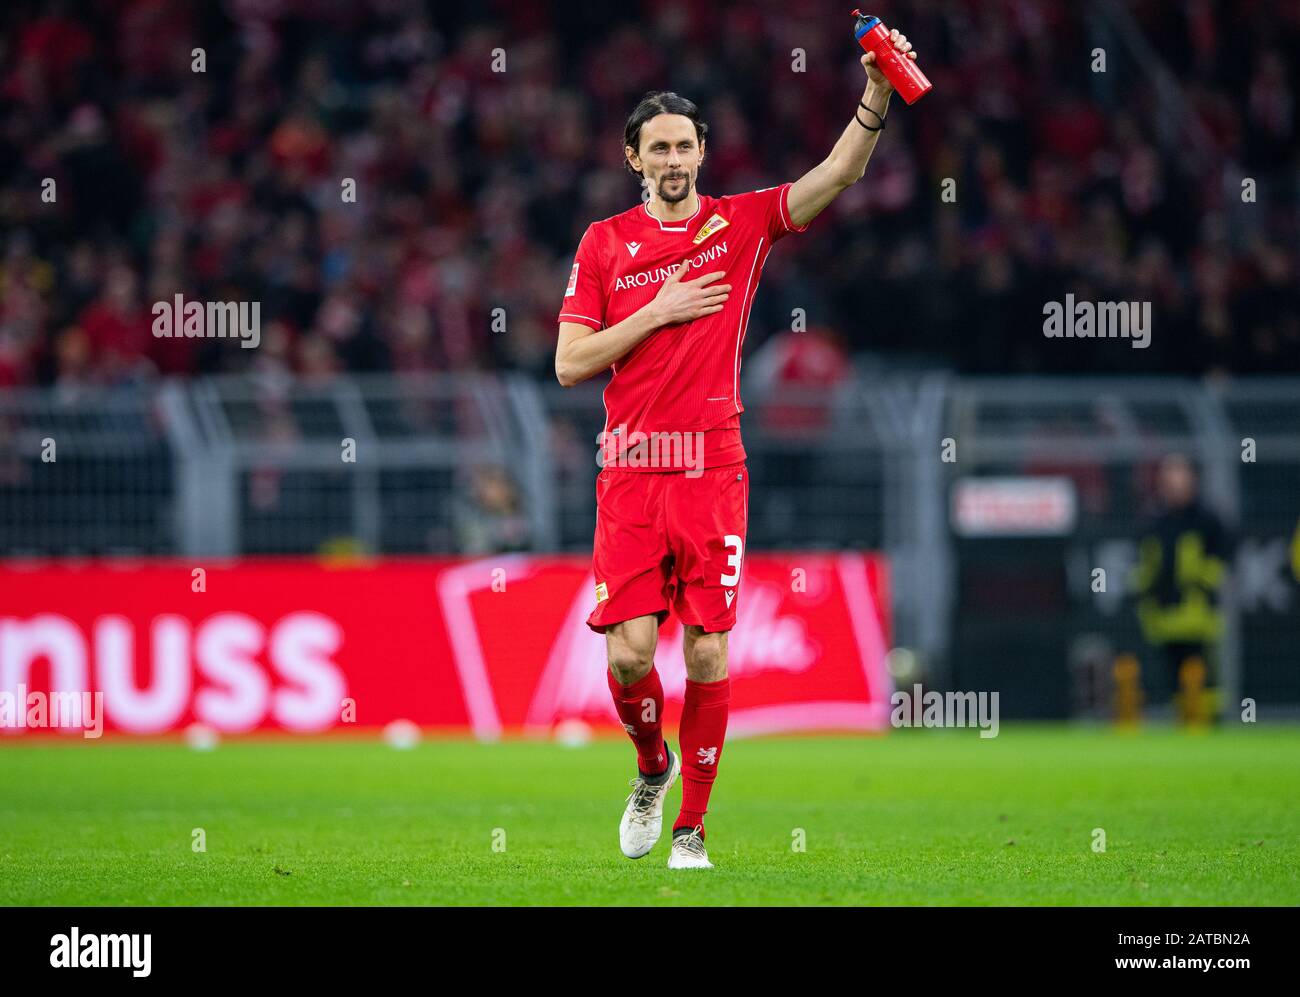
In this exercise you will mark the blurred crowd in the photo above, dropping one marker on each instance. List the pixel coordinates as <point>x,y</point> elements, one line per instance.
<point>483,138</point>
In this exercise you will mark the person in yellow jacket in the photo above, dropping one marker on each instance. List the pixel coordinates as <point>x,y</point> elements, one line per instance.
<point>1295,552</point>
<point>1180,572</point>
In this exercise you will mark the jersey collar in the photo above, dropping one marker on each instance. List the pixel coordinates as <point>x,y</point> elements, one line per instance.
<point>684,225</point>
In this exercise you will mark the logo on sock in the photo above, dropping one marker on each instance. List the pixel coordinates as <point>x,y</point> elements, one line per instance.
<point>708,756</point>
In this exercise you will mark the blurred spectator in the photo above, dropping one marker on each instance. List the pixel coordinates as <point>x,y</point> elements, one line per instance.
<point>798,372</point>
<point>361,170</point>
<point>1179,576</point>
<point>491,519</point>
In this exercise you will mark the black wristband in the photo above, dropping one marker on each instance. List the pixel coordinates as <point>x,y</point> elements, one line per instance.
<point>880,117</point>
<point>864,124</point>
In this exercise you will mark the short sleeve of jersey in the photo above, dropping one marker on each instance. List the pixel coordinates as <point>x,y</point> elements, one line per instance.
<point>773,205</point>
<point>584,297</point>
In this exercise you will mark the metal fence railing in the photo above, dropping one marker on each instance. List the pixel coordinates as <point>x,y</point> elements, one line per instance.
<point>1261,425</point>
<point>478,464</point>
<point>86,473</point>
<point>1019,603</point>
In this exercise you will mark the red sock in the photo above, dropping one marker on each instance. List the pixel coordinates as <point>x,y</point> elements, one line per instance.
<point>704,728</point>
<point>641,708</point>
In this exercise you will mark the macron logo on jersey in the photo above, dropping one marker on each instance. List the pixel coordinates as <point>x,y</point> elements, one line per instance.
<point>632,247</point>
<point>660,274</point>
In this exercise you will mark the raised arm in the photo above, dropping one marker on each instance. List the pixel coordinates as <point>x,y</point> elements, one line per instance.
<point>848,160</point>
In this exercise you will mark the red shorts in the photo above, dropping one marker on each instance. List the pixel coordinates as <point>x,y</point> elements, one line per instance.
<point>667,539</point>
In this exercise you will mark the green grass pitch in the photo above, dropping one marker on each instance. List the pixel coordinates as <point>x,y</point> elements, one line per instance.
<point>917,817</point>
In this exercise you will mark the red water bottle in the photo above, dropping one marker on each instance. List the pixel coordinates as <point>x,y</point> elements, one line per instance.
<point>901,71</point>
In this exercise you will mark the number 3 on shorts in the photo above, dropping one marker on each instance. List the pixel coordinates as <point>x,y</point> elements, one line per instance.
<point>733,560</point>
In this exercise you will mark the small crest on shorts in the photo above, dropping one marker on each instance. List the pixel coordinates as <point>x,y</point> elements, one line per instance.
<point>602,592</point>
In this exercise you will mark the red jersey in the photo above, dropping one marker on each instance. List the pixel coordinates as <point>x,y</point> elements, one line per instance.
<point>682,378</point>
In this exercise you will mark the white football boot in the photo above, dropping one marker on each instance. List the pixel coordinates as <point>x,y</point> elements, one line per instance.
<point>688,851</point>
<point>643,819</point>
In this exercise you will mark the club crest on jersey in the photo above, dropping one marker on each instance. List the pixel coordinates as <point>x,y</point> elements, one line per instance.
<point>632,247</point>
<point>715,224</point>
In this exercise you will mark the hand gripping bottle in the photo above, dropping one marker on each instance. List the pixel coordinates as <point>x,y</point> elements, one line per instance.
<point>901,71</point>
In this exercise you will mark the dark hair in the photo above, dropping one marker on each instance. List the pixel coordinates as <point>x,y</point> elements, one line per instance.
<point>659,102</point>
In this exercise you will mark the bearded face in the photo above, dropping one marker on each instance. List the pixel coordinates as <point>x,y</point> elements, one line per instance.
<point>669,157</point>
